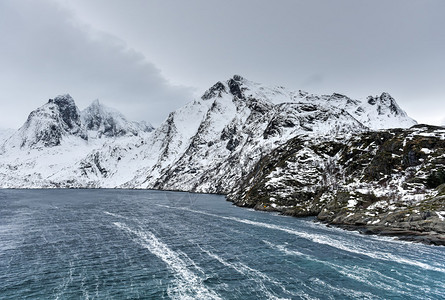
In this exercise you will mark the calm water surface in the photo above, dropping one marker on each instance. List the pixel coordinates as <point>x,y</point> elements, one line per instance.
<point>117,244</point>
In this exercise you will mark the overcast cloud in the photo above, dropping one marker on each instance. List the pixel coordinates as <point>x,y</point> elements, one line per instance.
<point>46,52</point>
<point>147,58</point>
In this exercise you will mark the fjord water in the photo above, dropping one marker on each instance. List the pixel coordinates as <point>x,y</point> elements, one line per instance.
<point>122,244</point>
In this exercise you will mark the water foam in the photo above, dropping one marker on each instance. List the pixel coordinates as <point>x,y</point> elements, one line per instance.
<point>187,284</point>
<point>65,282</point>
<point>358,274</point>
<point>320,239</point>
<point>115,215</point>
<point>252,274</point>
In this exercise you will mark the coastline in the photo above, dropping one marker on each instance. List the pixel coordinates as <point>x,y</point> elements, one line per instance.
<point>403,233</point>
<point>428,238</point>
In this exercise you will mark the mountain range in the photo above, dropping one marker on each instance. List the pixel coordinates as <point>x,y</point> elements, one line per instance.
<point>208,145</point>
<point>265,147</point>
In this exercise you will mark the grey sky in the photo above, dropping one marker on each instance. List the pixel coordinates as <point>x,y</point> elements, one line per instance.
<point>147,58</point>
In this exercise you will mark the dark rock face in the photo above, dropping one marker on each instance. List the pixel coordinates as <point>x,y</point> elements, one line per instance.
<point>372,100</point>
<point>232,144</point>
<point>238,78</point>
<point>235,88</point>
<point>335,181</point>
<point>216,90</point>
<point>68,111</point>
<point>47,125</point>
<point>106,124</point>
<point>385,101</point>
<point>93,165</point>
<point>276,124</point>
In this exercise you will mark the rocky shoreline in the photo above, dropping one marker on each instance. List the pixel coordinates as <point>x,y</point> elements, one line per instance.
<point>425,229</point>
<point>429,238</point>
<point>389,183</point>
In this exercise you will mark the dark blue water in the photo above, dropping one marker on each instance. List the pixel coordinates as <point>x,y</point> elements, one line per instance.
<point>114,244</point>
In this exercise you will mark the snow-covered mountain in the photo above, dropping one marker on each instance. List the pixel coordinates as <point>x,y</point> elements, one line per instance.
<point>48,125</point>
<point>5,133</point>
<point>241,121</point>
<point>105,121</point>
<point>388,181</point>
<point>208,145</point>
<point>47,149</point>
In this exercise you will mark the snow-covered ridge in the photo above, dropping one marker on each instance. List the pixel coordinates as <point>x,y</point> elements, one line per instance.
<point>48,125</point>
<point>6,133</point>
<point>60,120</point>
<point>386,180</point>
<point>101,120</point>
<point>208,145</point>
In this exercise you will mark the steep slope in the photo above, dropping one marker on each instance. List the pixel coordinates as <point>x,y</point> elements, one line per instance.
<point>5,133</point>
<point>48,125</point>
<point>48,149</point>
<point>104,121</point>
<point>385,181</point>
<point>246,121</point>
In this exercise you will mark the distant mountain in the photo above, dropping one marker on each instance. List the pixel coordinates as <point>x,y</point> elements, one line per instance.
<point>56,137</point>
<point>105,121</point>
<point>5,133</point>
<point>49,124</point>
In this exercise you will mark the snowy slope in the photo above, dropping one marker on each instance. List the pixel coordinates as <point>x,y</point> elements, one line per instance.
<point>48,125</point>
<point>5,133</point>
<point>102,120</point>
<point>208,145</point>
<point>384,180</point>
<point>48,150</point>
<point>247,120</point>
<point>211,143</point>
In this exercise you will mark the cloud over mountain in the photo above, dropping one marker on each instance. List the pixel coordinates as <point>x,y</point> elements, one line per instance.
<point>45,48</point>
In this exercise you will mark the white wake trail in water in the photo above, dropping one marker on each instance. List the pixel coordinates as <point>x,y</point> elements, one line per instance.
<point>65,282</point>
<point>320,239</point>
<point>187,284</point>
<point>253,274</point>
<point>115,215</point>
<point>365,276</point>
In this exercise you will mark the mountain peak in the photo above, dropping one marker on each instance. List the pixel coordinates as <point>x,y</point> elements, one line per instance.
<point>47,125</point>
<point>385,104</point>
<point>216,90</point>
<point>64,98</point>
<point>235,86</point>
<point>238,78</point>
<point>95,103</point>
<point>109,122</point>
<point>68,110</point>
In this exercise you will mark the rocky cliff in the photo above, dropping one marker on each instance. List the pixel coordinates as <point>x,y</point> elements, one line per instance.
<point>48,125</point>
<point>386,182</point>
